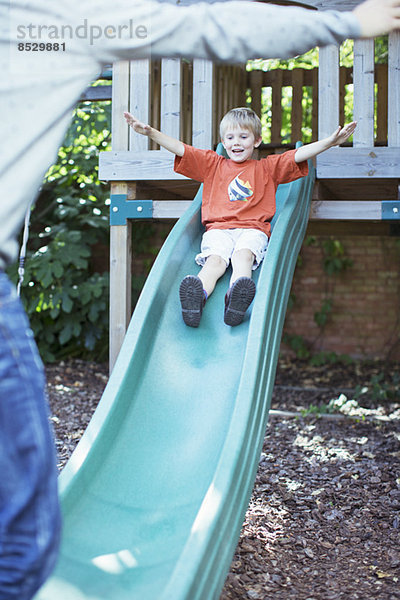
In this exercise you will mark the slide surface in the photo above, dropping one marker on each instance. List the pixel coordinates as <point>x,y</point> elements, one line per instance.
<point>155,494</point>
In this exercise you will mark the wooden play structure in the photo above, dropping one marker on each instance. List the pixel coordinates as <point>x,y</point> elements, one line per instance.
<point>186,99</point>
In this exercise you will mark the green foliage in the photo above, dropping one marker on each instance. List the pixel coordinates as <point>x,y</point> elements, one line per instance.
<point>379,388</point>
<point>317,410</point>
<point>298,344</point>
<point>335,260</point>
<point>329,358</point>
<point>382,50</point>
<point>340,405</point>
<point>321,316</point>
<point>67,302</point>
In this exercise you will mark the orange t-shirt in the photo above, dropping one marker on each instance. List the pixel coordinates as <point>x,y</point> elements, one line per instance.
<point>238,194</point>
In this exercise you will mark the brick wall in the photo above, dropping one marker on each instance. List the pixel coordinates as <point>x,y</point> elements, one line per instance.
<point>365,317</point>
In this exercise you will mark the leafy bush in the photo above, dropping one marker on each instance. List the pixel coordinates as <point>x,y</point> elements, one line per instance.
<point>67,303</point>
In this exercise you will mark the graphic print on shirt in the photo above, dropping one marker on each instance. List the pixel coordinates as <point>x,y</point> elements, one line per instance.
<point>239,190</point>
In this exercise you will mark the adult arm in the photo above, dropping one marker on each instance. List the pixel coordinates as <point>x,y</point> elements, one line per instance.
<point>227,31</point>
<point>239,30</point>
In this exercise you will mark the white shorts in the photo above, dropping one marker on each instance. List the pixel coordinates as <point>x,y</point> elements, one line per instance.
<point>225,242</point>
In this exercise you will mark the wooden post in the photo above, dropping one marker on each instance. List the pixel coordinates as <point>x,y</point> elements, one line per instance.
<point>315,105</point>
<point>328,90</point>
<point>120,235</point>
<point>256,91</point>
<point>202,103</point>
<point>276,124</point>
<point>394,90</point>
<point>139,101</point>
<point>171,96</point>
<point>364,93</point>
<point>297,108</point>
<point>382,103</point>
<point>342,94</point>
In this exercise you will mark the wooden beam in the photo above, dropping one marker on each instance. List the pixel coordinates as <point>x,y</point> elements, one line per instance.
<point>359,163</point>
<point>170,209</point>
<point>332,210</point>
<point>96,93</point>
<point>338,210</point>
<point>137,166</point>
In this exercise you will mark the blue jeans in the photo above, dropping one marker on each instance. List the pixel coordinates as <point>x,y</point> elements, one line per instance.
<point>29,510</point>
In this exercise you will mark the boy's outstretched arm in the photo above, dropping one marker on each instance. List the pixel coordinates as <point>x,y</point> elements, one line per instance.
<point>338,137</point>
<point>167,142</point>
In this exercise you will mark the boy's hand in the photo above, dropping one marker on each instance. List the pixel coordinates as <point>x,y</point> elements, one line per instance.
<point>136,125</point>
<point>342,134</point>
<point>338,137</point>
<point>166,141</point>
<point>377,17</point>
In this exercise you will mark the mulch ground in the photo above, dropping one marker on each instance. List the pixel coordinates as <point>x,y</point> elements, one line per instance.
<point>324,519</point>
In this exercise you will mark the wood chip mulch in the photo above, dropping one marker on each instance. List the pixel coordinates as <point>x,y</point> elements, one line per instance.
<point>323,522</point>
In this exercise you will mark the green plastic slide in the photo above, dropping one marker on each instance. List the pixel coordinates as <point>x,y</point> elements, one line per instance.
<point>155,494</point>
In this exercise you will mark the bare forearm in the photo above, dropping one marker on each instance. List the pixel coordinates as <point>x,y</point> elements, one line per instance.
<point>166,141</point>
<point>338,137</point>
<point>169,143</point>
<point>311,150</point>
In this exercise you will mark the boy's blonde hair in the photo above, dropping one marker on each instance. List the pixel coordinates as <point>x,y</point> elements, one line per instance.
<point>241,117</point>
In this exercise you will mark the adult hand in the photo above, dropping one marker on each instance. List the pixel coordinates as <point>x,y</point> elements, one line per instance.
<point>378,17</point>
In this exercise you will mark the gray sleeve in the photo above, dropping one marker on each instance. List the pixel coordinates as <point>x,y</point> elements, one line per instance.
<point>224,31</point>
<point>237,31</point>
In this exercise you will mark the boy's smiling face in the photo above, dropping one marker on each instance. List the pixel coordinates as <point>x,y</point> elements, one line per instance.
<point>239,143</point>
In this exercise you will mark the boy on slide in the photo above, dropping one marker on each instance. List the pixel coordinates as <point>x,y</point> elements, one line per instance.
<point>238,205</point>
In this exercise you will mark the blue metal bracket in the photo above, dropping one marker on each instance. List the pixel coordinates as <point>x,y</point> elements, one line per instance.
<point>122,209</point>
<point>390,210</point>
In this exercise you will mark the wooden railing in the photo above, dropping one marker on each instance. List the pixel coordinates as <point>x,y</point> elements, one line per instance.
<point>304,84</point>
<point>375,151</point>
<point>365,159</point>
